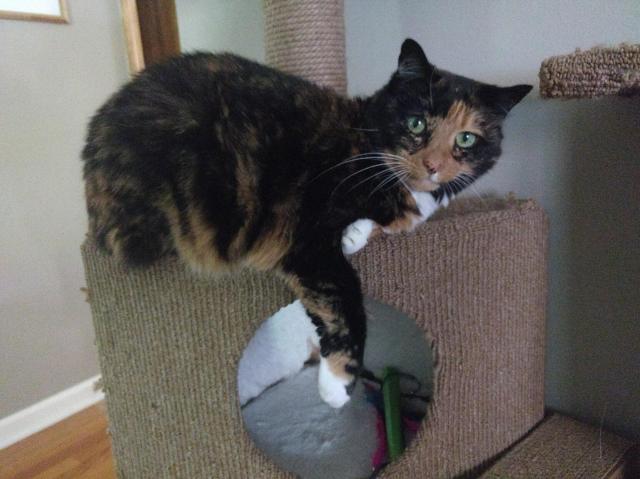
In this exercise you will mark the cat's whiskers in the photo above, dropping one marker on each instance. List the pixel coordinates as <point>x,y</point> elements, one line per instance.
<point>464,180</point>
<point>469,176</point>
<point>379,165</point>
<point>404,183</point>
<point>388,161</point>
<point>395,175</point>
<point>383,172</point>
<point>400,179</point>
<point>468,180</point>
<point>448,190</point>
<point>343,163</point>
<point>477,193</point>
<point>379,153</point>
<point>395,169</point>
<point>387,180</point>
<point>360,157</point>
<point>403,175</point>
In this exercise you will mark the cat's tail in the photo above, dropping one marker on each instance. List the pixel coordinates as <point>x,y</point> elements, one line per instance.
<point>123,221</point>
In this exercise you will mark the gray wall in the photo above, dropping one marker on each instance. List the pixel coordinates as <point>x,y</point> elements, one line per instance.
<point>52,78</point>
<point>222,25</point>
<point>579,159</point>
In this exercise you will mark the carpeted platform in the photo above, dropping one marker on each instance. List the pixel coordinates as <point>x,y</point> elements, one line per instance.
<point>563,448</point>
<point>592,73</point>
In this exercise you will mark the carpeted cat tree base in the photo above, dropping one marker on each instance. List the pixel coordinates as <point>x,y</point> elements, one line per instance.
<point>474,280</point>
<point>563,448</point>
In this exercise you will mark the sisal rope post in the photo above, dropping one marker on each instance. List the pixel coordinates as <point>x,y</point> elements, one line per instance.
<point>306,38</point>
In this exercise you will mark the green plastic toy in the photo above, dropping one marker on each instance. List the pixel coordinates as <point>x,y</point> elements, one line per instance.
<point>392,415</point>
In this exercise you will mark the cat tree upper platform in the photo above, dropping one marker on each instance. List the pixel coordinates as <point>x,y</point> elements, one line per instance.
<point>596,72</point>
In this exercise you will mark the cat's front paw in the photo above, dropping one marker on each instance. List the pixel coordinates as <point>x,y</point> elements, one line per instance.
<point>334,389</point>
<point>356,236</point>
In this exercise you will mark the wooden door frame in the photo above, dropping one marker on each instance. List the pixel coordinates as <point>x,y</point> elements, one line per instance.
<point>151,31</point>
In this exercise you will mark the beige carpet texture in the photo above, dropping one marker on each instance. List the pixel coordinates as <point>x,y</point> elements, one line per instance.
<point>474,280</point>
<point>592,73</point>
<point>563,448</point>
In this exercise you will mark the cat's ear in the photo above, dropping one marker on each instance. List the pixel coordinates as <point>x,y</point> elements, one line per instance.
<point>412,62</point>
<point>503,99</point>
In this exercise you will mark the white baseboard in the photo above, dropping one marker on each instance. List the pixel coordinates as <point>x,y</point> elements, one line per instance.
<point>48,411</point>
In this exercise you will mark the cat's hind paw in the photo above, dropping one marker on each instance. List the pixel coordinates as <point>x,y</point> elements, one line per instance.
<point>334,389</point>
<point>356,236</point>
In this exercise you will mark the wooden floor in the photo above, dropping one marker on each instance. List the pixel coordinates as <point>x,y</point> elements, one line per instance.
<point>77,447</point>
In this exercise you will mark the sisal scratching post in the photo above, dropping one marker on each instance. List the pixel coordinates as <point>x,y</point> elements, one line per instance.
<point>306,38</point>
<point>592,73</point>
<point>170,341</point>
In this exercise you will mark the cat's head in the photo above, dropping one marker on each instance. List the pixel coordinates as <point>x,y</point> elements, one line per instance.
<point>444,130</point>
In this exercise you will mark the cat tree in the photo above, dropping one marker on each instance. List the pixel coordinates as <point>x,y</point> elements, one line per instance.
<point>562,447</point>
<point>170,342</point>
<point>474,279</point>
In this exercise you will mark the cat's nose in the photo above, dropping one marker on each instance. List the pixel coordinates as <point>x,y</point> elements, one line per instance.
<point>432,166</point>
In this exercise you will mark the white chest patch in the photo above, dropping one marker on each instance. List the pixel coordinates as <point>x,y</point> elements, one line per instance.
<point>427,204</point>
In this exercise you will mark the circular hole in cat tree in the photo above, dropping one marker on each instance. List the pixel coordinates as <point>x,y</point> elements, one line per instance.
<point>286,417</point>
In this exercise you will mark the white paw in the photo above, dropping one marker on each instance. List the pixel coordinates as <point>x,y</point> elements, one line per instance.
<point>356,236</point>
<point>332,389</point>
<point>277,351</point>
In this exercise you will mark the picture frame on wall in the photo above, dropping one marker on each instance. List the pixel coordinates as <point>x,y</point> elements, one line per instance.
<point>52,11</point>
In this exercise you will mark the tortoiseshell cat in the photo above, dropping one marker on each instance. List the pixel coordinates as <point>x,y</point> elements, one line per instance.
<point>231,163</point>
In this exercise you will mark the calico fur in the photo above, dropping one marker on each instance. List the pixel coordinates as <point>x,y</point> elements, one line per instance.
<point>229,163</point>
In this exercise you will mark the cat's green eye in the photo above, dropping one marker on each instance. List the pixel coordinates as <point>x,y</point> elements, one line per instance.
<point>416,125</point>
<point>466,139</point>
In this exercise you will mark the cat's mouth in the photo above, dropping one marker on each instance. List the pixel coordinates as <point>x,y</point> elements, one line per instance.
<point>425,184</point>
